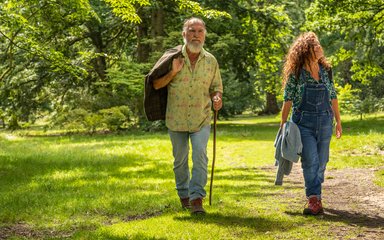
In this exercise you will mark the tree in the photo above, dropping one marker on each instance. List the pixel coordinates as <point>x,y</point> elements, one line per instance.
<point>33,53</point>
<point>57,55</point>
<point>354,33</point>
<point>252,46</point>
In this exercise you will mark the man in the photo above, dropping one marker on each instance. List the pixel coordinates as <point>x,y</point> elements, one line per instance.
<point>193,83</point>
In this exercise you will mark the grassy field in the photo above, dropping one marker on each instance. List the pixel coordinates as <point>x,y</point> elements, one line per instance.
<point>122,186</point>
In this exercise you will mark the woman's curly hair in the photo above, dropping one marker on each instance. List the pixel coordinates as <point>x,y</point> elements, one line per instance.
<point>300,53</point>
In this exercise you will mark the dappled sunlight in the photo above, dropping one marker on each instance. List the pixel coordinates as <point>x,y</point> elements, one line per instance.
<point>129,180</point>
<point>213,225</point>
<point>243,154</point>
<point>118,150</point>
<point>10,137</point>
<point>251,119</point>
<point>67,175</point>
<point>136,169</point>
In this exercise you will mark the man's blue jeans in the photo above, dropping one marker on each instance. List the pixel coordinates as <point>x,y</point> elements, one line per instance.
<point>316,133</point>
<point>186,186</point>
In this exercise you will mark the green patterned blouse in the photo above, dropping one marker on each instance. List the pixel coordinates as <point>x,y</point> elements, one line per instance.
<point>294,90</point>
<point>189,101</point>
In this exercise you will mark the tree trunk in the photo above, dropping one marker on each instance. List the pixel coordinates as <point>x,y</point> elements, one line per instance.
<point>152,26</point>
<point>271,106</point>
<point>99,63</point>
<point>143,47</point>
<point>158,28</point>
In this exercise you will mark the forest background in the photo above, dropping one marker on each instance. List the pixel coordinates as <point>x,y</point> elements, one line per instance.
<point>78,66</point>
<point>81,64</point>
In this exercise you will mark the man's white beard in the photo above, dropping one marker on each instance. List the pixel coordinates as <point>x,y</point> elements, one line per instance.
<point>194,47</point>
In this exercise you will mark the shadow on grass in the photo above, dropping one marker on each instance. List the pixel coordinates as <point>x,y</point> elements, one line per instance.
<point>79,181</point>
<point>359,219</point>
<point>258,224</point>
<point>249,183</point>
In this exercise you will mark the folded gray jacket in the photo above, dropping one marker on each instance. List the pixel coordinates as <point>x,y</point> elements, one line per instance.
<point>288,149</point>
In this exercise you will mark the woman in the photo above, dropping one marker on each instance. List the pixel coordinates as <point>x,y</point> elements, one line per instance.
<point>309,90</point>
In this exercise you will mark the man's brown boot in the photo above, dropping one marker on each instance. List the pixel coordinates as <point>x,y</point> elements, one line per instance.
<point>185,203</point>
<point>197,206</point>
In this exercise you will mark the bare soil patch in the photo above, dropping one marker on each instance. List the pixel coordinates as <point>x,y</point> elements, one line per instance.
<point>350,196</point>
<point>22,230</point>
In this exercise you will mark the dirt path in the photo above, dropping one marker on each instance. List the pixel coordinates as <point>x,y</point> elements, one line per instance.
<point>350,196</point>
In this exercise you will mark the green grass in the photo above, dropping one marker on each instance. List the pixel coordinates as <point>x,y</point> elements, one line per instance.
<point>122,186</point>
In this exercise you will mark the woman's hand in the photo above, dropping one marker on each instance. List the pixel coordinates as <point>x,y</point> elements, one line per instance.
<point>339,130</point>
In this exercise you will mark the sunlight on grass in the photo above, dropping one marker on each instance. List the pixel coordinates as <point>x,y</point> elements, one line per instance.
<point>122,186</point>
<point>215,225</point>
<point>66,175</point>
<point>380,177</point>
<point>10,137</point>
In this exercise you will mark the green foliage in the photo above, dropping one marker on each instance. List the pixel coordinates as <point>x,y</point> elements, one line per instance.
<point>350,102</point>
<point>238,95</point>
<point>83,54</point>
<point>365,71</point>
<point>347,98</point>
<point>126,9</point>
<point>93,122</point>
<point>112,119</point>
<point>72,120</point>
<point>197,9</point>
<point>34,60</point>
<point>252,47</point>
<point>117,118</point>
<point>355,32</point>
<point>369,104</point>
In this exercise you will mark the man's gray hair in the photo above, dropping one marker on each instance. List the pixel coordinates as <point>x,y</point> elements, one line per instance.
<point>191,21</point>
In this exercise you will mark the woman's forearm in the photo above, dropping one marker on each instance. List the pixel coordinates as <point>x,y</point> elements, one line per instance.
<point>285,111</point>
<point>336,112</point>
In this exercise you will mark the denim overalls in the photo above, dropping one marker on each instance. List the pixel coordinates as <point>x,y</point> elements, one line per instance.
<point>314,117</point>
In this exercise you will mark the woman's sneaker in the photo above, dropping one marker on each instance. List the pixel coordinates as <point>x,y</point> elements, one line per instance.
<point>314,206</point>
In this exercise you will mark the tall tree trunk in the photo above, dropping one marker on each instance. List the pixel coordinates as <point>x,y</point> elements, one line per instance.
<point>99,63</point>
<point>95,34</point>
<point>158,32</point>
<point>143,47</point>
<point>150,27</point>
<point>271,107</point>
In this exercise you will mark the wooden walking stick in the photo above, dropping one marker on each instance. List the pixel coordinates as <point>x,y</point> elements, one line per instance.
<point>214,156</point>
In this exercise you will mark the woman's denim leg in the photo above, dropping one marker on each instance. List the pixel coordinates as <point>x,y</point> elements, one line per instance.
<point>325,136</point>
<point>199,142</point>
<point>310,162</point>
<point>180,145</point>
<point>316,132</point>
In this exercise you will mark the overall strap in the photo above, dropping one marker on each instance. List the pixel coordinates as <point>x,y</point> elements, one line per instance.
<point>330,74</point>
<point>303,75</point>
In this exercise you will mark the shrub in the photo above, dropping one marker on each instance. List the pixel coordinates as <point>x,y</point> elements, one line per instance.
<point>117,118</point>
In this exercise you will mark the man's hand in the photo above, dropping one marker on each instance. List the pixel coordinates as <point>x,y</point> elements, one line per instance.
<point>217,102</point>
<point>177,64</point>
